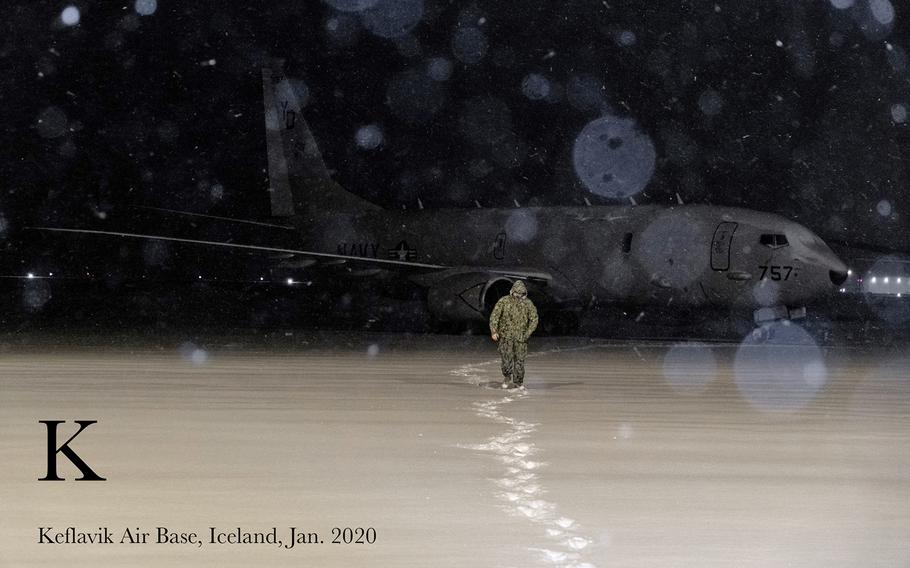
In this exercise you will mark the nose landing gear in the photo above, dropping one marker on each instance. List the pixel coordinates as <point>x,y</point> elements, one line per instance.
<point>765,317</point>
<point>774,313</point>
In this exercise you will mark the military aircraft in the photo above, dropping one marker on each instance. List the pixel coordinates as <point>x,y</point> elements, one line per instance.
<point>572,258</point>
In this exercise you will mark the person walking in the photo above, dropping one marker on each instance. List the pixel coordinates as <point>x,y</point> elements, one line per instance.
<point>512,322</point>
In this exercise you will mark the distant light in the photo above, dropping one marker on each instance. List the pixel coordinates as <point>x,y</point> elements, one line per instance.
<point>50,273</point>
<point>779,43</point>
<point>886,279</point>
<point>146,7</point>
<point>898,280</point>
<point>261,278</point>
<point>898,294</point>
<point>290,281</point>
<point>70,16</point>
<point>874,279</point>
<point>30,275</point>
<point>849,273</point>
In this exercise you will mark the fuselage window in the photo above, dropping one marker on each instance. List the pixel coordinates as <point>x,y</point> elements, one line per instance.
<point>627,243</point>
<point>773,241</point>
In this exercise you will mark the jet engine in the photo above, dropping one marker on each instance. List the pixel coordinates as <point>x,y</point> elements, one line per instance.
<point>466,297</point>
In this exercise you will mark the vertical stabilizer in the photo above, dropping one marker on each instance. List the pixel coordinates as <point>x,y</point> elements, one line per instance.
<point>299,182</point>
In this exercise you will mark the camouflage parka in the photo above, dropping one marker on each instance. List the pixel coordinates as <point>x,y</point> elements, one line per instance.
<point>514,316</point>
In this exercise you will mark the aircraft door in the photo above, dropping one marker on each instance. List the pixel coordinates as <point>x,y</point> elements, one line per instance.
<point>721,245</point>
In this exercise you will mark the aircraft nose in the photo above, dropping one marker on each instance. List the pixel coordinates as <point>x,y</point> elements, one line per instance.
<point>838,277</point>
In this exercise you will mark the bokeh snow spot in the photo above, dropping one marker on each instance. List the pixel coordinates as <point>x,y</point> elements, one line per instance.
<point>70,16</point>
<point>521,226</point>
<point>689,367</point>
<point>710,102</point>
<point>535,86</point>
<point>469,45</point>
<point>439,69</point>
<point>613,158</point>
<point>145,7</point>
<point>51,123</point>
<point>626,38</point>
<point>369,137</point>
<point>780,369</point>
<point>393,18</point>
<point>351,5</point>
<point>414,97</point>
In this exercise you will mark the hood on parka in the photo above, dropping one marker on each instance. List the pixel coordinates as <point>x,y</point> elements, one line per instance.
<point>519,288</point>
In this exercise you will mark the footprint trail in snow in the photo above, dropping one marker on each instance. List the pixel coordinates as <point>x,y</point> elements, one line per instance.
<point>520,489</point>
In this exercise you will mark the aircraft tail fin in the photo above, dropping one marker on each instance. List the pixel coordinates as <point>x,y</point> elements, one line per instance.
<point>299,182</point>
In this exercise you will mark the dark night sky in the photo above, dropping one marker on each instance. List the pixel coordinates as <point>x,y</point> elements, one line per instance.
<point>793,107</point>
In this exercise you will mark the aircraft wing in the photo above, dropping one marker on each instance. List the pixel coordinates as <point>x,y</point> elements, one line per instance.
<point>239,246</point>
<point>86,251</point>
<point>198,253</point>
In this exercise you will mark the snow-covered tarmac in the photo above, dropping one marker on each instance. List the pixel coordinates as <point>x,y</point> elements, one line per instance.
<point>622,454</point>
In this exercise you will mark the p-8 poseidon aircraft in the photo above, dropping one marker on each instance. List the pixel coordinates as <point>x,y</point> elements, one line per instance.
<point>689,256</point>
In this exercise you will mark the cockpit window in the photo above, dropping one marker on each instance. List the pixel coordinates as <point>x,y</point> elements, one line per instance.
<point>773,240</point>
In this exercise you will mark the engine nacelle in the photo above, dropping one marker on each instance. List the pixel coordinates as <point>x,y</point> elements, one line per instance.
<point>467,297</point>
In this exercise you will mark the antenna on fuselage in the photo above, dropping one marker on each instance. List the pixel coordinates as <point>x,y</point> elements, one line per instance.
<point>679,199</point>
<point>477,203</point>
<point>420,204</point>
<point>632,199</point>
<point>587,202</point>
<point>517,204</point>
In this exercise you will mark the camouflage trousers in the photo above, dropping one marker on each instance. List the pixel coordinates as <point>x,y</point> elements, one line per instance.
<point>513,353</point>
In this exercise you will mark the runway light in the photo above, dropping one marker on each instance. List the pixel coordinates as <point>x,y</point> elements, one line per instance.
<point>873,279</point>
<point>290,281</point>
<point>50,273</point>
<point>261,278</point>
<point>886,279</point>
<point>30,275</point>
<point>849,272</point>
<point>199,277</point>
